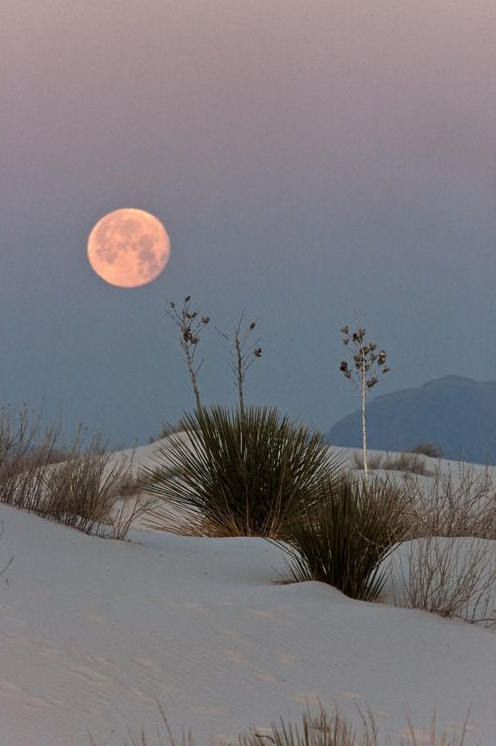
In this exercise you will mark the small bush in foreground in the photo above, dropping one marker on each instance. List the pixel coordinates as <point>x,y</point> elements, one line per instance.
<point>346,534</point>
<point>240,475</point>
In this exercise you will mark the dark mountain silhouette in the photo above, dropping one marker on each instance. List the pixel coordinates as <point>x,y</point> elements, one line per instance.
<point>458,414</point>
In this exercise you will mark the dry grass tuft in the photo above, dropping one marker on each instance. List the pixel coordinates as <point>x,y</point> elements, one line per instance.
<point>459,502</point>
<point>433,450</point>
<point>374,461</point>
<point>410,463</point>
<point>316,729</point>
<point>447,576</point>
<point>79,492</point>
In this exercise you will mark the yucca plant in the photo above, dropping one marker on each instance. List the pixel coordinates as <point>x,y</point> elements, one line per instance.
<point>234,474</point>
<point>346,534</point>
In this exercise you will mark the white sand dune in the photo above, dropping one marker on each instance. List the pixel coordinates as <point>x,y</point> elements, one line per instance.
<point>94,633</point>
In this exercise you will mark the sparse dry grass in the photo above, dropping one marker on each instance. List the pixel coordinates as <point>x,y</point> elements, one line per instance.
<point>82,491</point>
<point>447,576</point>
<point>25,453</point>
<point>319,728</point>
<point>374,461</point>
<point>324,729</point>
<point>453,503</point>
<point>449,569</point>
<point>124,515</point>
<point>79,492</point>
<point>410,463</point>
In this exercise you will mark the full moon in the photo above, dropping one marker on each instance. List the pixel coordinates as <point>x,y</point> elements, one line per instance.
<point>128,247</point>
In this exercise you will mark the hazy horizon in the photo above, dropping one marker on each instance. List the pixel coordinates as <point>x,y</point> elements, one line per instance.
<point>309,160</point>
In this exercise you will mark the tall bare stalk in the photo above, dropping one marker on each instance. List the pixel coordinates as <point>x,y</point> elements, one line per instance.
<point>243,355</point>
<point>190,325</point>
<point>366,365</point>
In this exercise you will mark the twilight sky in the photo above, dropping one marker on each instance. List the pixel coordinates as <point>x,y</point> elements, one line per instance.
<point>309,159</point>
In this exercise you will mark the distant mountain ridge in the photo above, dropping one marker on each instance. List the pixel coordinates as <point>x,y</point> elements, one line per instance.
<point>456,413</point>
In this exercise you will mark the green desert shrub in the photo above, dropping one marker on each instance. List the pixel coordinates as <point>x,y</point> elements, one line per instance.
<point>240,475</point>
<point>346,534</point>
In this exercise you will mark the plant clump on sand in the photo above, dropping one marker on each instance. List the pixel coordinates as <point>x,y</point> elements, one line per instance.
<point>235,474</point>
<point>76,486</point>
<point>318,728</point>
<point>347,533</point>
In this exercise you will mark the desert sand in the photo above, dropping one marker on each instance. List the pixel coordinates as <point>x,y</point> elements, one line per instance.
<point>95,634</point>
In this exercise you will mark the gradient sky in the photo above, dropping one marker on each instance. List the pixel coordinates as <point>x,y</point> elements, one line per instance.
<point>309,159</point>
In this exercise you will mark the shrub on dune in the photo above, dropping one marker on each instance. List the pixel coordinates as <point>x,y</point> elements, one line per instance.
<point>82,491</point>
<point>453,577</point>
<point>454,503</point>
<point>241,475</point>
<point>346,534</point>
<point>25,452</point>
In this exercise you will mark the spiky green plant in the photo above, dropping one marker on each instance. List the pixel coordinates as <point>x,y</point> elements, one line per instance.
<point>241,474</point>
<point>346,534</point>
